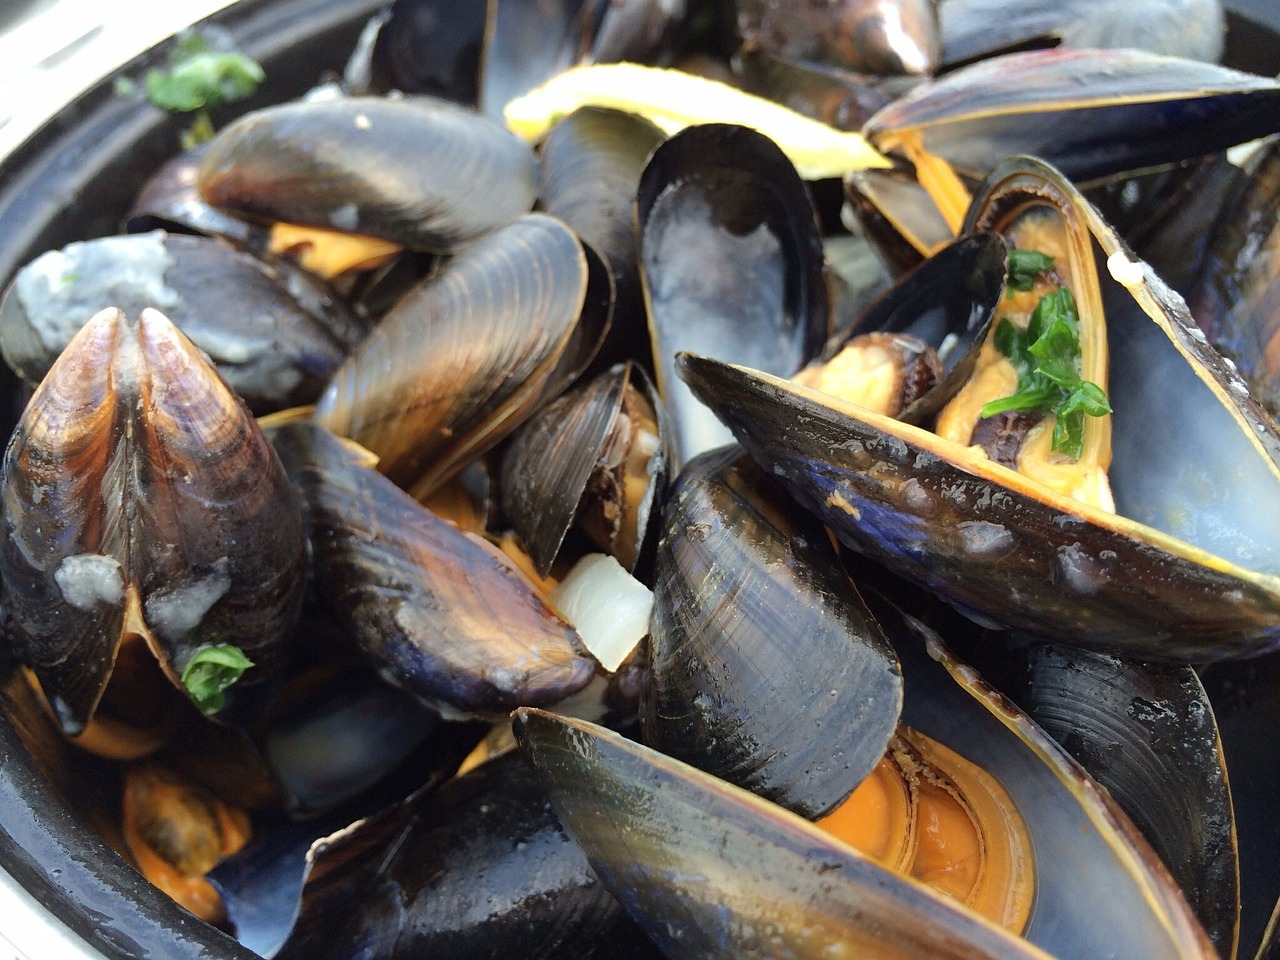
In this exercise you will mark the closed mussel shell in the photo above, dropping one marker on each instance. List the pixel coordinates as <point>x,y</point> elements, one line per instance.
<point>590,168</point>
<point>274,348</point>
<point>421,172</point>
<point>1146,732</point>
<point>766,668</point>
<point>480,868</point>
<point>466,356</point>
<point>731,261</point>
<point>1090,113</point>
<point>141,498</point>
<point>436,611</point>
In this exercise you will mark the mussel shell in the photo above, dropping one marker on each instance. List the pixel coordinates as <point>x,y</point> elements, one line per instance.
<point>1010,553</point>
<point>432,47</point>
<point>1146,732</point>
<point>273,347</point>
<point>418,171</point>
<point>465,357</point>
<point>839,99</point>
<point>897,214</point>
<point>482,868</point>
<point>435,611</point>
<point>589,171</point>
<point>169,200</point>
<point>949,303</point>
<point>137,481</point>
<point>547,466</point>
<point>982,28</point>
<point>1090,113</point>
<point>1236,297</point>
<point>731,260</point>
<point>710,870</point>
<point>766,668</point>
<point>1246,704</point>
<point>872,36</point>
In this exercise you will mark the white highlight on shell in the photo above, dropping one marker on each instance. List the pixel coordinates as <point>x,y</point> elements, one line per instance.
<point>175,612</point>
<point>607,606</point>
<point>1124,271</point>
<point>88,579</point>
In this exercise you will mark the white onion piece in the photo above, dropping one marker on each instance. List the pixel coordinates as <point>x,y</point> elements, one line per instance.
<point>608,607</point>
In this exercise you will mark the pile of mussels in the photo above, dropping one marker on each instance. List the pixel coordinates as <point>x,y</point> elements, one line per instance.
<point>940,497</point>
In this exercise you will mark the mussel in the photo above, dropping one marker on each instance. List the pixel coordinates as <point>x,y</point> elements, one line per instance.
<point>1177,573</point>
<point>141,499</point>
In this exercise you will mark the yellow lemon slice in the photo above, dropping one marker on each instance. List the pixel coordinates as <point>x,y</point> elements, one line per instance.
<point>673,100</point>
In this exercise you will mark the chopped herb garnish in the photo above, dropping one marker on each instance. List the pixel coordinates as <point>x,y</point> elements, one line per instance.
<point>1024,267</point>
<point>1046,357</point>
<point>199,79</point>
<point>210,672</point>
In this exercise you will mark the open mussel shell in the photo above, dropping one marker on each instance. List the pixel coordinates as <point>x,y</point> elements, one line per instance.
<point>948,303</point>
<point>583,457</point>
<point>702,864</point>
<point>274,348</point>
<point>421,172</point>
<point>708,869</point>
<point>437,612</point>
<point>897,214</point>
<point>731,261</point>
<point>766,668</point>
<point>1185,570</point>
<point>467,356</point>
<point>141,498</point>
<point>1146,732</point>
<point>1090,113</point>
<point>170,200</point>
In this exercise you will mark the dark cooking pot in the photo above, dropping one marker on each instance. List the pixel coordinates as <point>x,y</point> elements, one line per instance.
<point>74,179</point>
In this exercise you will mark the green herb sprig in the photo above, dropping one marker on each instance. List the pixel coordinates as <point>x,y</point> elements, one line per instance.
<point>1046,357</point>
<point>210,672</point>
<point>199,79</point>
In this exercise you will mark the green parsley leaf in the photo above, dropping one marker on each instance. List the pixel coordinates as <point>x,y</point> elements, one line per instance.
<point>210,672</point>
<point>205,79</point>
<point>1025,266</point>
<point>1046,357</point>
<point>199,79</point>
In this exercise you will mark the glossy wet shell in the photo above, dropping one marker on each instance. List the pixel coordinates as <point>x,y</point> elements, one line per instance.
<point>422,172</point>
<point>1088,112</point>
<point>972,532</point>
<point>465,357</point>
<point>710,870</point>
<point>731,261</point>
<point>482,868</point>
<point>136,473</point>
<point>274,348</point>
<point>767,668</point>
<point>435,611</point>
